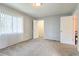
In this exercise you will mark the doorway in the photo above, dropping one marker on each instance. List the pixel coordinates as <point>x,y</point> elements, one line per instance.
<point>38,29</point>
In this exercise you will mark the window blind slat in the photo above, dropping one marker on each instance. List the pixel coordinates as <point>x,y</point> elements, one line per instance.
<point>9,23</point>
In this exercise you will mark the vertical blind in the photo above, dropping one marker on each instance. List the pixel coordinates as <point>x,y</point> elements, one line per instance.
<point>10,23</point>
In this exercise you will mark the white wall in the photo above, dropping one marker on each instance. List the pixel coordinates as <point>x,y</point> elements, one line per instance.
<point>10,39</point>
<point>28,27</point>
<point>52,28</point>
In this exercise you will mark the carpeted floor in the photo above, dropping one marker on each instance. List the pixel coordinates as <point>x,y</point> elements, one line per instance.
<point>39,47</point>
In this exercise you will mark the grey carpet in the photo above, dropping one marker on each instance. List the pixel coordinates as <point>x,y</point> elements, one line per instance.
<point>39,47</point>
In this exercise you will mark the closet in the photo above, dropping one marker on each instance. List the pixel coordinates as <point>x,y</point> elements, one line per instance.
<point>38,29</point>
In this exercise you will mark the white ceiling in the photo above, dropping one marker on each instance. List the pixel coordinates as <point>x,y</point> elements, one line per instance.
<point>47,9</point>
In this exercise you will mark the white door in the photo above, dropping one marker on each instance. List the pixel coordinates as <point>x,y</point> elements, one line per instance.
<point>67,30</point>
<point>38,29</point>
<point>35,32</point>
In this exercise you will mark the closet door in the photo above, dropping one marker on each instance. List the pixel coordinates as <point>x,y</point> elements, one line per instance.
<point>35,29</point>
<point>38,29</point>
<point>67,30</point>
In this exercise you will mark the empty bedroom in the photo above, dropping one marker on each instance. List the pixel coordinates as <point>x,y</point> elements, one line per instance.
<point>39,29</point>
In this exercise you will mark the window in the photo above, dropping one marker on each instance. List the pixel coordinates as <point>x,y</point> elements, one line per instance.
<point>10,24</point>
